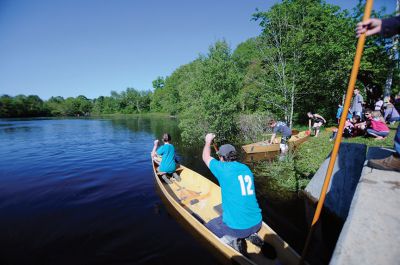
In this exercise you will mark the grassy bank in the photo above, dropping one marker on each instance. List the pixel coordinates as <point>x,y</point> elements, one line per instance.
<point>293,173</point>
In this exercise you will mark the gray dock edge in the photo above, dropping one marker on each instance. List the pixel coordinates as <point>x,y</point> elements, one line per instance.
<point>371,233</point>
<point>369,202</point>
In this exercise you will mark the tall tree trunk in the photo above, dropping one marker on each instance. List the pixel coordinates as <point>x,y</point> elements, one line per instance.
<point>389,81</point>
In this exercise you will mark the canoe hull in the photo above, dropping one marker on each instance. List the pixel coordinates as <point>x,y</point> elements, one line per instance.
<point>263,147</point>
<point>194,201</point>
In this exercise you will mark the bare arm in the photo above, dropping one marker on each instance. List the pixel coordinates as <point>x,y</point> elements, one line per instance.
<point>153,152</point>
<point>207,150</point>
<point>319,116</point>
<point>272,138</point>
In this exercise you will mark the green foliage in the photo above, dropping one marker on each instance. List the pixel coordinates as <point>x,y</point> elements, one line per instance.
<point>253,126</point>
<point>22,106</point>
<point>279,174</point>
<point>129,101</point>
<point>312,153</point>
<point>209,101</point>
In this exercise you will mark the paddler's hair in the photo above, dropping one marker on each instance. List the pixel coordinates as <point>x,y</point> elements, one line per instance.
<point>166,137</point>
<point>271,121</point>
<point>231,156</point>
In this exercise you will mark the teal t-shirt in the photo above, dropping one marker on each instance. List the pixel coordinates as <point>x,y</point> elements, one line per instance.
<point>240,209</point>
<point>167,151</point>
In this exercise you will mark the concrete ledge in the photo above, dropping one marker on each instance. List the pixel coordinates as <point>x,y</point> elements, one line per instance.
<point>346,173</point>
<point>371,233</point>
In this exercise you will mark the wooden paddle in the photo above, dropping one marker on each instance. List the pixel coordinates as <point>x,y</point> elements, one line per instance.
<point>349,94</point>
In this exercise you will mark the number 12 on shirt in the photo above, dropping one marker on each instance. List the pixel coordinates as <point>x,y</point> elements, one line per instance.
<point>246,185</point>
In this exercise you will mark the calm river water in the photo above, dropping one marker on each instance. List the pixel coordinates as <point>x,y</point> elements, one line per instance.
<point>81,191</point>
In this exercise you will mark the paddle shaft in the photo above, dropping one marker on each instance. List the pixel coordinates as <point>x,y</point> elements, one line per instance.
<point>349,94</point>
<point>215,147</point>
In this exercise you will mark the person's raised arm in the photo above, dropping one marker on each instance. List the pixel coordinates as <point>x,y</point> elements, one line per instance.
<point>153,152</point>
<point>207,150</point>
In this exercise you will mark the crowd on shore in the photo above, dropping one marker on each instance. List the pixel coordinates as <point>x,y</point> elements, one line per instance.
<point>369,122</point>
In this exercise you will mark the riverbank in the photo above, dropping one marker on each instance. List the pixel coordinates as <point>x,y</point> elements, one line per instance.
<point>294,172</point>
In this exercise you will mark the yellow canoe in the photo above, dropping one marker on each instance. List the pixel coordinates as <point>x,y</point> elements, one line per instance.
<point>264,146</point>
<point>195,200</point>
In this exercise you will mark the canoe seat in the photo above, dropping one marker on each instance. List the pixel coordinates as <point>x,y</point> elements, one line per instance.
<point>218,208</point>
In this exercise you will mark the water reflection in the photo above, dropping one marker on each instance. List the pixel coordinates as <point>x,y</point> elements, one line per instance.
<point>81,191</point>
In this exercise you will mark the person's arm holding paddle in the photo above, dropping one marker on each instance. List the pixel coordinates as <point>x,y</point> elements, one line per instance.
<point>207,149</point>
<point>386,27</point>
<point>153,152</point>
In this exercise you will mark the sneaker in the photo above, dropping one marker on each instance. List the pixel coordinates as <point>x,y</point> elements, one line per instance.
<point>176,176</point>
<point>166,179</point>
<point>255,239</point>
<point>390,163</point>
<point>239,245</point>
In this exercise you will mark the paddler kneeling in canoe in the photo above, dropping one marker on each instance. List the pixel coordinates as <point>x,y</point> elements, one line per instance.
<point>167,165</point>
<point>241,216</point>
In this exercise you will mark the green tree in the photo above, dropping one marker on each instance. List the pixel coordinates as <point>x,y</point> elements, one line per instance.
<point>209,100</point>
<point>7,106</point>
<point>55,105</point>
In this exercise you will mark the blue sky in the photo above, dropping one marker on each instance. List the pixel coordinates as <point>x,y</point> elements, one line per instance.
<point>91,47</point>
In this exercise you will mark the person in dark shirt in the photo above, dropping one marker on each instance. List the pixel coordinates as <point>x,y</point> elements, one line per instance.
<point>280,127</point>
<point>387,28</point>
<point>317,121</point>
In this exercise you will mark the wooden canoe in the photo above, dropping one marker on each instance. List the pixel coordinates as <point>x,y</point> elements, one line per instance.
<point>256,157</point>
<point>264,146</point>
<point>195,200</point>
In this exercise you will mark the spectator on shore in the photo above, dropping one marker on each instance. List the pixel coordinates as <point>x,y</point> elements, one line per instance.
<point>387,27</point>
<point>339,113</point>
<point>359,127</point>
<point>391,114</point>
<point>317,121</point>
<point>397,102</point>
<point>352,128</point>
<point>357,105</point>
<point>378,128</point>
<point>379,104</point>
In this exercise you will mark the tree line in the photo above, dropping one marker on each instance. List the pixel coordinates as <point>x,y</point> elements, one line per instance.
<point>126,102</point>
<point>300,62</point>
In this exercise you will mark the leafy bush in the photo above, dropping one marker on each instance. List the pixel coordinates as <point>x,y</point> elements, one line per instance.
<point>252,126</point>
